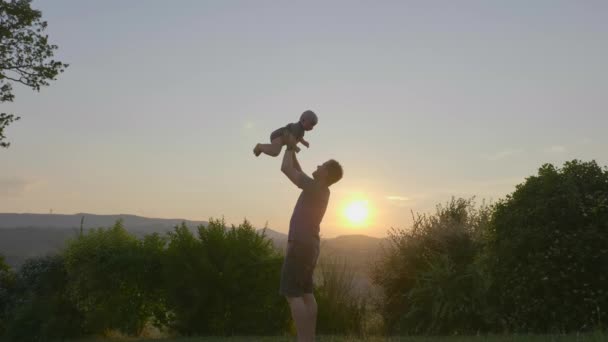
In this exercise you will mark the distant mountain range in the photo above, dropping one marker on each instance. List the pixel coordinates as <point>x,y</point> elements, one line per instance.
<point>130,222</point>
<point>24,236</point>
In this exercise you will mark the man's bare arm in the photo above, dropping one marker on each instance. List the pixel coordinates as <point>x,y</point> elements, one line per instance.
<point>291,168</point>
<point>296,164</point>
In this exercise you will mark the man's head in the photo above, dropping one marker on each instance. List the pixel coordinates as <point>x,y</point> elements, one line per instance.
<point>308,119</point>
<point>329,172</point>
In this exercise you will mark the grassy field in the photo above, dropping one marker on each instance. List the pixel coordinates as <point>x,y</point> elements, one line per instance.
<point>505,338</point>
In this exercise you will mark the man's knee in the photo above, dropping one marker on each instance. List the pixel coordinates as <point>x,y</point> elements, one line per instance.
<point>309,298</point>
<point>310,302</point>
<point>294,300</point>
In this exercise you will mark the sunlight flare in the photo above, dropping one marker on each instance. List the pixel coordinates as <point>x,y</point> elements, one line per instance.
<point>357,212</point>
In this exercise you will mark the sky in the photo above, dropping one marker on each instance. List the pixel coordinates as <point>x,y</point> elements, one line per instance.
<point>163,102</point>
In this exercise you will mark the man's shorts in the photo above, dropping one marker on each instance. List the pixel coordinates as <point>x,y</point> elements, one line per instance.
<point>298,267</point>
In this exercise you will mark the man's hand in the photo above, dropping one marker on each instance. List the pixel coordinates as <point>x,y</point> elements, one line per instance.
<point>290,140</point>
<point>292,143</point>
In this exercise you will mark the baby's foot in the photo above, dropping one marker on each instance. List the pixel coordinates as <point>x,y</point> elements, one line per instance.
<point>256,150</point>
<point>297,149</point>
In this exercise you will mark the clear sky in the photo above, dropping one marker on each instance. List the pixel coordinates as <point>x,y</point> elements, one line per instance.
<point>419,101</point>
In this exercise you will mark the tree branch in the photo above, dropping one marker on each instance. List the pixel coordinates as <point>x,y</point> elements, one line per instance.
<point>9,67</point>
<point>18,80</point>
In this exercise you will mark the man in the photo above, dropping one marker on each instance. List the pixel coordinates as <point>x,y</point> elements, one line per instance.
<point>303,240</point>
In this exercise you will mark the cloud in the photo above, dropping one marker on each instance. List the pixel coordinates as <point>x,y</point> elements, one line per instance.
<point>399,201</point>
<point>556,149</point>
<point>506,153</point>
<point>488,189</point>
<point>397,198</point>
<point>11,187</point>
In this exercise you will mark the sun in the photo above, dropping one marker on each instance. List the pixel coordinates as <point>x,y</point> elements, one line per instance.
<point>357,212</point>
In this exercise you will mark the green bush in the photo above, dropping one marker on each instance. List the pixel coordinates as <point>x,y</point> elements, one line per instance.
<point>429,276</point>
<point>224,282</point>
<point>341,309</point>
<point>547,251</point>
<point>114,278</point>
<point>7,281</point>
<point>40,309</point>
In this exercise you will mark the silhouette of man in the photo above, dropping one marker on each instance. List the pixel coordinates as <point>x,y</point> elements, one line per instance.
<point>303,240</point>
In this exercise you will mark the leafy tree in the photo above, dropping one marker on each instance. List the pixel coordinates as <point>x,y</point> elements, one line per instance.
<point>114,278</point>
<point>25,54</point>
<point>547,251</point>
<point>7,280</point>
<point>40,308</point>
<point>150,277</point>
<point>224,282</point>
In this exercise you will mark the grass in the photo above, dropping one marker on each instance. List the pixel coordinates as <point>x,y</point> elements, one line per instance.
<point>492,338</point>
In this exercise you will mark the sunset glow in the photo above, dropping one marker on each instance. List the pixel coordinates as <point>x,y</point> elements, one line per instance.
<point>357,212</point>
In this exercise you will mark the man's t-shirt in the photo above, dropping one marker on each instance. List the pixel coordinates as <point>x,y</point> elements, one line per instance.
<point>309,211</point>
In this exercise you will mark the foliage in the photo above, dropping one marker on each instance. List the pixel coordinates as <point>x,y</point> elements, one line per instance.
<point>341,309</point>
<point>548,250</point>
<point>25,54</point>
<point>114,278</point>
<point>224,282</point>
<point>40,308</point>
<point>428,273</point>
<point>7,280</point>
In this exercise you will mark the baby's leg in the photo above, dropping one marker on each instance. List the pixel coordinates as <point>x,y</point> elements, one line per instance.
<point>273,149</point>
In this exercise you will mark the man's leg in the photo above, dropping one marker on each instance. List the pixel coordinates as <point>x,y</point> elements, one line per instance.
<point>297,273</point>
<point>311,306</point>
<point>301,316</point>
<point>308,296</point>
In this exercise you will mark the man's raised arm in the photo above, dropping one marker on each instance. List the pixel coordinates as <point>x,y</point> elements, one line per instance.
<point>291,168</point>
<point>296,164</point>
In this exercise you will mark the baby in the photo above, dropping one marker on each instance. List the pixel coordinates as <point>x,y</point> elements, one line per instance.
<point>289,135</point>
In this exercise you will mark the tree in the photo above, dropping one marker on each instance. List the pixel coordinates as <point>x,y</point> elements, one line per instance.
<point>223,282</point>
<point>25,54</point>
<point>7,280</point>
<point>547,250</point>
<point>39,307</point>
<point>114,278</point>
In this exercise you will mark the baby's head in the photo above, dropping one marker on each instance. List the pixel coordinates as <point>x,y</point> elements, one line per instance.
<point>308,119</point>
